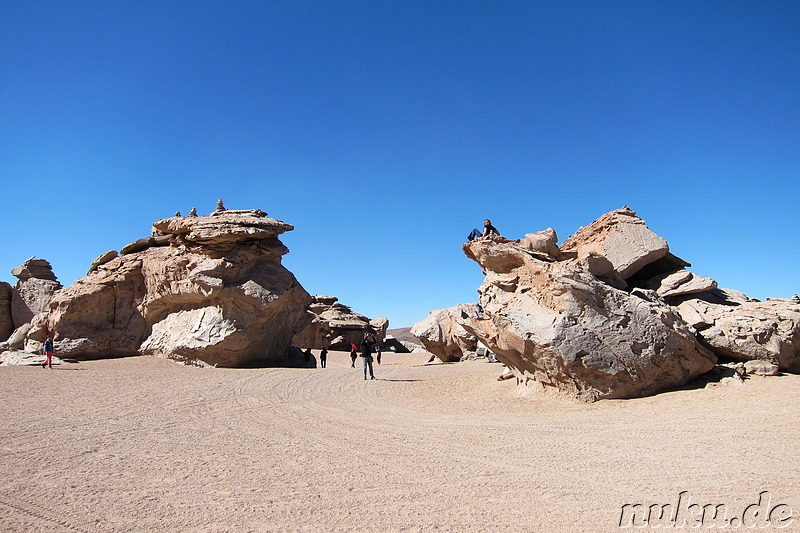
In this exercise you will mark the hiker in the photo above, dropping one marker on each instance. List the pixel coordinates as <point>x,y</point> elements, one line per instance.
<point>48,353</point>
<point>488,229</point>
<point>366,354</point>
<point>323,357</point>
<point>353,353</point>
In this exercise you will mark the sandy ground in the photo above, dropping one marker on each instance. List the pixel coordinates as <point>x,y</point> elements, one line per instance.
<point>145,444</point>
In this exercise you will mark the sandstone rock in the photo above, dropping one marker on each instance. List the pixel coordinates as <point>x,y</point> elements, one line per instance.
<point>622,238</point>
<point>543,242</point>
<point>34,268</point>
<point>558,325</point>
<point>218,294</point>
<point>761,368</point>
<point>143,244</point>
<point>6,319</point>
<point>443,334</point>
<point>102,260</point>
<point>680,283</point>
<point>17,357</point>
<point>34,290</point>
<point>17,339</point>
<point>227,227</point>
<point>336,326</point>
<point>768,331</point>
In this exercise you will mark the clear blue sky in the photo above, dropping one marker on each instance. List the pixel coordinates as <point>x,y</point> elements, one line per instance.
<point>385,131</point>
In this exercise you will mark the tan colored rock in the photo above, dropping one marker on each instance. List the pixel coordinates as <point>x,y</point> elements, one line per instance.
<point>34,290</point>
<point>218,294</point>
<point>102,260</point>
<point>761,368</point>
<point>443,334</point>
<point>559,326</point>
<point>769,331</point>
<point>336,326</point>
<point>680,283</point>
<point>6,319</point>
<point>622,238</point>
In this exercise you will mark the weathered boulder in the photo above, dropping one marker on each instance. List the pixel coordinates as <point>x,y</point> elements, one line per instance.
<point>216,293</point>
<point>761,368</point>
<point>102,260</point>
<point>6,319</point>
<point>749,330</point>
<point>443,333</point>
<point>680,283</point>
<point>556,324</point>
<point>336,326</point>
<point>622,238</point>
<point>34,290</point>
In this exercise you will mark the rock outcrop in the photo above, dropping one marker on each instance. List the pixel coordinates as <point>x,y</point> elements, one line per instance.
<point>745,329</point>
<point>6,319</point>
<point>336,326</point>
<point>35,288</point>
<point>556,324</point>
<point>443,332</point>
<point>209,289</point>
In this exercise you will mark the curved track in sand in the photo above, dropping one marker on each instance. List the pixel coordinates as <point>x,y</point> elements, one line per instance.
<point>144,444</point>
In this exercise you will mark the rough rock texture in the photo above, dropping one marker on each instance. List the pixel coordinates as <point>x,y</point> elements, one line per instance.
<point>102,260</point>
<point>748,330</point>
<point>6,319</point>
<point>443,333</point>
<point>217,293</point>
<point>761,368</point>
<point>680,283</point>
<point>558,325</point>
<point>34,290</point>
<point>622,238</point>
<point>336,326</point>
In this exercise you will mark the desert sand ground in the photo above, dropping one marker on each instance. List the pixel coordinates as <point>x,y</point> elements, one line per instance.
<point>146,444</point>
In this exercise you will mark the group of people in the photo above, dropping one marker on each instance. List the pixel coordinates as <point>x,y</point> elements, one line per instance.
<point>370,351</point>
<point>368,346</point>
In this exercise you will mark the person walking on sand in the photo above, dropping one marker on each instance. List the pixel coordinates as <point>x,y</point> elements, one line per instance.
<point>378,352</point>
<point>323,358</point>
<point>366,354</point>
<point>48,353</point>
<point>353,353</point>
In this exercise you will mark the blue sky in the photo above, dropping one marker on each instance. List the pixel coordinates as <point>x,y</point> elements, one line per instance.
<point>385,131</point>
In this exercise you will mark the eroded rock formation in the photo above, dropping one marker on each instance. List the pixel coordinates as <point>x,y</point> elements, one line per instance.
<point>443,332</point>
<point>211,289</point>
<point>35,288</point>
<point>336,326</point>
<point>610,314</point>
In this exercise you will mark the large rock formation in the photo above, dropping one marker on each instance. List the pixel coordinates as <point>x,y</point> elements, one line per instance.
<point>35,288</point>
<point>556,323</point>
<point>211,289</point>
<point>336,326</point>
<point>443,332</point>
<point>611,313</point>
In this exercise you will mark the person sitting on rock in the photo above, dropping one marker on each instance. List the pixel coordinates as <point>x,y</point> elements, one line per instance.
<point>488,229</point>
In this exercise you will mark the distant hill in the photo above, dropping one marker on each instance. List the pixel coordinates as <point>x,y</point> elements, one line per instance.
<point>403,335</point>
